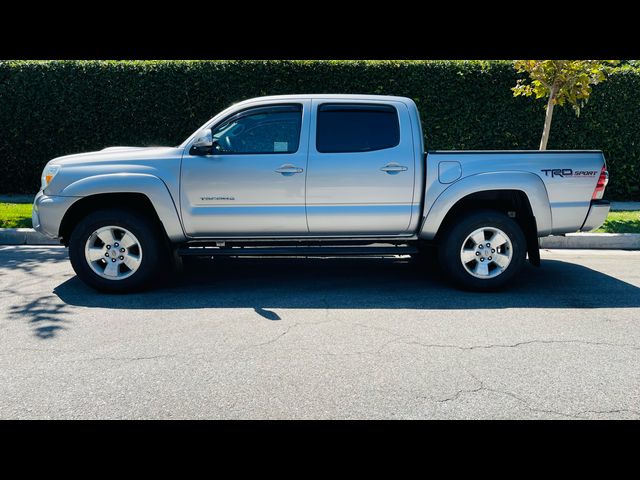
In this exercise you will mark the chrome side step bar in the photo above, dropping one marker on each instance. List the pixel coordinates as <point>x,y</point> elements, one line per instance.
<point>298,251</point>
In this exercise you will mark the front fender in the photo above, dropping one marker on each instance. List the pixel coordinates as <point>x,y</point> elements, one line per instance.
<point>529,183</point>
<point>150,185</point>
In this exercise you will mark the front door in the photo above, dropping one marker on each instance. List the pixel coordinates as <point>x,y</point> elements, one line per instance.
<point>254,181</point>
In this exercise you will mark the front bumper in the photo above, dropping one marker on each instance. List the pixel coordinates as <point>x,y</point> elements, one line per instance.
<point>596,216</point>
<point>47,213</point>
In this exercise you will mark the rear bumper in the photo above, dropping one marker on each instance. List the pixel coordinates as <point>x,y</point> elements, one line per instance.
<point>596,216</point>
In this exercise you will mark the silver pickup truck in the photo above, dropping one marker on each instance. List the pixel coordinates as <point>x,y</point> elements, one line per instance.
<point>314,175</point>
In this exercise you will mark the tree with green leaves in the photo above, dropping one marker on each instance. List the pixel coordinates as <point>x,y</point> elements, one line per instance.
<point>562,81</point>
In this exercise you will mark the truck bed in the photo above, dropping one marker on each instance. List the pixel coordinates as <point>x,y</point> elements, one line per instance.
<point>559,183</point>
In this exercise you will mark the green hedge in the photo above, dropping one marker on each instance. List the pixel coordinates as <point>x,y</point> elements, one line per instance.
<point>53,108</point>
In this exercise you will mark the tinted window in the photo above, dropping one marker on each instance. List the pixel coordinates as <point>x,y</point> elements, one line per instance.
<point>260,130</point>
<point>356,128</point>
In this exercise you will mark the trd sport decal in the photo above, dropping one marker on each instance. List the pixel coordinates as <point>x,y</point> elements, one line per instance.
<point>568,172</point>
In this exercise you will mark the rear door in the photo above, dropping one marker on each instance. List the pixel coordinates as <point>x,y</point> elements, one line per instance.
<point>361,167</point>
<point>253,183</point>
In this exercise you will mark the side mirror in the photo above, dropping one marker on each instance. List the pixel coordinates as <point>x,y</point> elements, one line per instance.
<point>203,144</point>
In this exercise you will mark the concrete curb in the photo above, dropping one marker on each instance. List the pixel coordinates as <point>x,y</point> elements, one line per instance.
<point>24,236</point>
<point>608,241</point>
<point>622,206</point>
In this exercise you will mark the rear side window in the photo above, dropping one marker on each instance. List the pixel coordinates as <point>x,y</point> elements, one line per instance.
<point>356,128</point>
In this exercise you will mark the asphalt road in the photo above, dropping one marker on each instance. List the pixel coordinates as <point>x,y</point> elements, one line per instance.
<point>321,338</point>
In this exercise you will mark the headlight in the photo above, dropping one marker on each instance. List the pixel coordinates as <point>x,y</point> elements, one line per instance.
<point>48,173</point>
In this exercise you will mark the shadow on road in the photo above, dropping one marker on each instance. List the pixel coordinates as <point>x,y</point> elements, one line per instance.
<point>359,283</point>
<point>22,269</point>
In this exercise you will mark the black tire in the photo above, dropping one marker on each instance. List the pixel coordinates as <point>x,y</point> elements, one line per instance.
<point>453,237</point>
<point>151,239</point>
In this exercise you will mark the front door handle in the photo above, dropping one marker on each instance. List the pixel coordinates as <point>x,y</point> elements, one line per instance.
<point>287,169</point>
<point>394,168</point>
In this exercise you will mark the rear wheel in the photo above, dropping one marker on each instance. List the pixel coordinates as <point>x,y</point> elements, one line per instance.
<point>482,251</point>
<point>117,251</point>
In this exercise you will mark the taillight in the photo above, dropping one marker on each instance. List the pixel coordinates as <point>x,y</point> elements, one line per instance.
<point>602,183</point>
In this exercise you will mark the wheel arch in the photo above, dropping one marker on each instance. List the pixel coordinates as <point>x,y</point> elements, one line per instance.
<point>500,190</point>
<point>144,193</point>
<point>527,204</point>
<point>137,202</point>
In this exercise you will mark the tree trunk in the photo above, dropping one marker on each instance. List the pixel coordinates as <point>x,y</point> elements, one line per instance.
<point>547,118</point>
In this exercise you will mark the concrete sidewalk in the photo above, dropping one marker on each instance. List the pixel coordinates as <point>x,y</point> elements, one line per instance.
<point>16,198</point>
<point>600,241</point>
<point>619,206</point>
<point>24,236</point>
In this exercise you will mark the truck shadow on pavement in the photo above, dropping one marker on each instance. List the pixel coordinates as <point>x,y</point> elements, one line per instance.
<point>359,283</point>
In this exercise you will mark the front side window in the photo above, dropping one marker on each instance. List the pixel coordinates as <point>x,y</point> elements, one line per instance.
<point>274,129</point>
<point>356,128</point>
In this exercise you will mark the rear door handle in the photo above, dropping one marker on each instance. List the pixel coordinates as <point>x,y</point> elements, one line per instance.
<point>394,168</point>
<point>288,169</point>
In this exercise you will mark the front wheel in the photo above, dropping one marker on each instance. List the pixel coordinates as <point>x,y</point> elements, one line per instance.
<point>482,251</point>
<point>117,251</point>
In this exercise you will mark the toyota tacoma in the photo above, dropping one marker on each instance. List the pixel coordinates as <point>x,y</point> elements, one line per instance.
<point>314,175</point>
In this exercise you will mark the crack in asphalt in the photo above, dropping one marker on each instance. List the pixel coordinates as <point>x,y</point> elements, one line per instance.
<point>398,339</point>
<point>604,412</point>
<point>519,344</point>
<point>124,359</point>
<point>482,387</point>
<point>86,359</point>
<point>289,328</point>
<point>276,338</point>
<point>458,394</point>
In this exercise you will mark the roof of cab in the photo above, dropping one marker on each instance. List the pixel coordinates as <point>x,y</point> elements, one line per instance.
<point>328,96</point>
